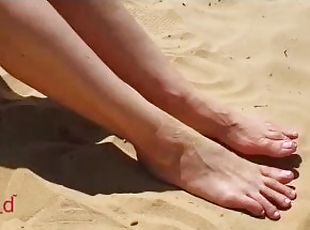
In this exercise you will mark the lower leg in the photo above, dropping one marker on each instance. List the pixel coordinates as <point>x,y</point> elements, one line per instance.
<point>123,45</point>
<point>39,48</point>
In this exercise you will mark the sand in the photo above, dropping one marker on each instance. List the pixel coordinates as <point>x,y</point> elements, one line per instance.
<point>252,55</point>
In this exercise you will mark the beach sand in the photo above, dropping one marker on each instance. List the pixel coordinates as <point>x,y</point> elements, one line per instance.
<point>252,55</point>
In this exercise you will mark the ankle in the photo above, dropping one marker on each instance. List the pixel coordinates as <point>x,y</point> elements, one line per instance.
<point>223,120</point>
<point>210,117</point>
<point>167,143</point>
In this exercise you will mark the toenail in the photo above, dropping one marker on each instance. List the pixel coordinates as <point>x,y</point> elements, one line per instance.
<point>288,201</point>
<point>262,213</point>
<point>288,144</point>
<point>287,173</point>
<point>276,214</point>
<point>293,193</point>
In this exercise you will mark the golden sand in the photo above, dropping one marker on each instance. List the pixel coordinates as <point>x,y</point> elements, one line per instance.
<point>251,55</point>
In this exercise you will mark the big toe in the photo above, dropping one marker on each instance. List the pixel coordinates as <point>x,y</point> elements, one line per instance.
<point>278,148</point>
<point>283,176</point>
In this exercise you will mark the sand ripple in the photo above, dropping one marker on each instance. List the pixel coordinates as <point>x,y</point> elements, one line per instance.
<point>244,53</point>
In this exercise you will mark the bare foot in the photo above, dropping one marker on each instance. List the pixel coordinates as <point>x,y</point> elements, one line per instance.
<point>243,134</point>
<point>256,137</point>
<point>185,158</point>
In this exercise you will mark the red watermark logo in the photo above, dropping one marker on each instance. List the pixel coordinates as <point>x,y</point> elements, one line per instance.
<point>8,206</point>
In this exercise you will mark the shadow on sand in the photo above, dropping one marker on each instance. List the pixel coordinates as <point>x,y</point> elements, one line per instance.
<point>60,146</point>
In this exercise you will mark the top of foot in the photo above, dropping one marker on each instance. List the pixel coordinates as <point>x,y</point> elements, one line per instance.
<point>255,137</point>
<point>206,169</point>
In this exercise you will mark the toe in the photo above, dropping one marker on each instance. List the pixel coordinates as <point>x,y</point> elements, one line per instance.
<point>280,148</point>
<point>276,135</point>
<point>271,210</point>
<point>252,206</point>
<point>240,201</point>
<point>281,188</point>
<point>288,145</point>
<point>283,176</point>
<point>278,199</point>
<point>288,133</point>
<point>292,134</point>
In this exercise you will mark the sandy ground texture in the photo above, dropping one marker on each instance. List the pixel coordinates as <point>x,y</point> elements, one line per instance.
<point>252,55</point>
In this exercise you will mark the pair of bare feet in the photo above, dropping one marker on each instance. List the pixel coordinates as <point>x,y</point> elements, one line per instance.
<point>176,153</point>
<point>186,158</point>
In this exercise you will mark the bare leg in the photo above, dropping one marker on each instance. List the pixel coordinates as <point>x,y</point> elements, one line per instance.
<point>38,47</point>
<point>118,40</point>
